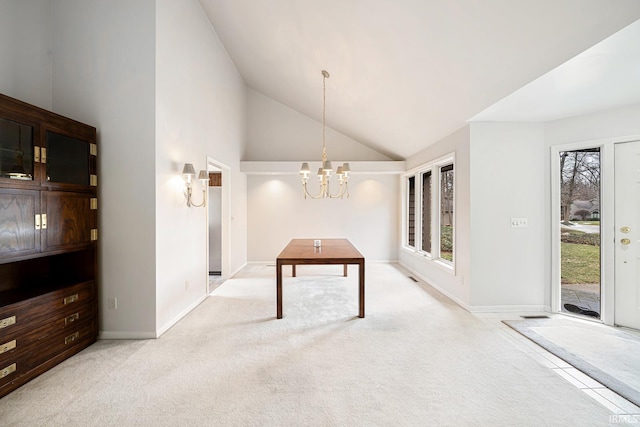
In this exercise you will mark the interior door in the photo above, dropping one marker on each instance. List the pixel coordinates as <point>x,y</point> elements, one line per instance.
<point>627,234</point>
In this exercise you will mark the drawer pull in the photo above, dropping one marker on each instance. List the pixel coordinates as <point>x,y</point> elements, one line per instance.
<point>72,337</point>
<point>7,346</point>
<point>7,322</point>
<point>8,370</point>
<point>70,299</point>
<point>72,318</point>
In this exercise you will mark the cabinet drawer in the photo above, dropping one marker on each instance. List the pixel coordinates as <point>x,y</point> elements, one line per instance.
<point>9,372</point>
<point>22,340</point>
<point>44,350</point>
<point>35,312</point>
<point>25,363</point>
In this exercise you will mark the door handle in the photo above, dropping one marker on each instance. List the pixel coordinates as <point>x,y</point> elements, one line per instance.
<point>625,242</point>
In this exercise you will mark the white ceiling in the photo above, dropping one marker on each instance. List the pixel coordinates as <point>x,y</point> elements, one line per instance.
<point>604,76</point>
<point>406,73</point>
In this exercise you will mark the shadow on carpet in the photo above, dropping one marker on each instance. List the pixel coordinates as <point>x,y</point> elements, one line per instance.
<point>607,354</point>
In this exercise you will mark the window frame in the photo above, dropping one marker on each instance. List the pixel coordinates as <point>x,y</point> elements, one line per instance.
<point>434,167</point>
<point>407,207</point>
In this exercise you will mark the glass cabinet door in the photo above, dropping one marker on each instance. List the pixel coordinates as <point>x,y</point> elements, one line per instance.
<point>67,159</point>
<point>16,150</point>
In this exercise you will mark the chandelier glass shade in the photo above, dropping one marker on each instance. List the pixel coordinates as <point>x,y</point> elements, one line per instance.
<point>325,172</point>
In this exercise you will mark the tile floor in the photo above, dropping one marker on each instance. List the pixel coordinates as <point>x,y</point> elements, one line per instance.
<point>624,411</point>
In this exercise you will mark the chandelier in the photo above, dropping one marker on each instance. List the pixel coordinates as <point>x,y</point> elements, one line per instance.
<point>324,172</point>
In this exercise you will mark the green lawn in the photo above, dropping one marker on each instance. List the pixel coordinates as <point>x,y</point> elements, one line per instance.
<point>580,263</point>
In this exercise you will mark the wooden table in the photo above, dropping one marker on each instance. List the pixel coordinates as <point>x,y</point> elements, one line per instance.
<point>332,251</point>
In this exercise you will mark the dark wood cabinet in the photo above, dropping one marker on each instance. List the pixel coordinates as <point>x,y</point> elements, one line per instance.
<point>18,235</point>
<point>48,236</point>
<point>70,220</point>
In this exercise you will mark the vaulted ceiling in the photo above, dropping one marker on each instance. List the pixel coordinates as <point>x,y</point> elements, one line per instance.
<point>406,73</point>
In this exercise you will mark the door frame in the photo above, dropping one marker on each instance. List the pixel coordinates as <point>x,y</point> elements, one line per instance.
<point>225,219</point>
<point>607,245</point>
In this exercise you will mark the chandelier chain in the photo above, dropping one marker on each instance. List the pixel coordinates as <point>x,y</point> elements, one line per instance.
<point>324,103</point>
<point>325,171</point>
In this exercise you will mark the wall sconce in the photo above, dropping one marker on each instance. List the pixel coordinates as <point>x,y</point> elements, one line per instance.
<point>188,172</point>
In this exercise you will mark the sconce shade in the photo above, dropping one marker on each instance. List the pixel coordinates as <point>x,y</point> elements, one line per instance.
<point>188,171</point>
<point>304,170</point>
<point>327,166</point>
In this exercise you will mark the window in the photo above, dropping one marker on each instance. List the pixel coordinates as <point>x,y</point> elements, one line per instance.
<point>411,205</point>
<point>430,211</point>
<point>446,212</point>
<point>426,212</point>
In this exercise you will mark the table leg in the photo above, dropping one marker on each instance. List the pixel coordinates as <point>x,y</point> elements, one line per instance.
<point>279,290</point>
<point>293,270</point>
<point>361,293</point>
<point>345,270</point>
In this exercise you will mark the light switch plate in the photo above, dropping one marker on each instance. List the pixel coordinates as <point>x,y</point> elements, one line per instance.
<point>518,222</point>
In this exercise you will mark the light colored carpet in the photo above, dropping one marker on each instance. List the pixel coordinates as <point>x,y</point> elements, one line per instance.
<point>416,359</point>
<point>607,354</point>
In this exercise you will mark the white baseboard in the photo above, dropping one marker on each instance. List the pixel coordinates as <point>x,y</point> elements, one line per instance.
<point>117,335</point>
<point>237,270</point>
<point>436,287</point>
<point>179,317</point>
<point>140,335</point>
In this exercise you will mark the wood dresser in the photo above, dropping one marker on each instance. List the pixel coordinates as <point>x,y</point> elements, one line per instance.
<point>48,234</point>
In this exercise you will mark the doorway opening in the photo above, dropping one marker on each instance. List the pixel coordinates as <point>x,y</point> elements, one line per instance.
<point>580,241</point>
<point>218,223</point>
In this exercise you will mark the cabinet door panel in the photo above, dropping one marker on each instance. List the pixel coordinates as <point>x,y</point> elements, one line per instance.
<point>16,150</point>
<point>68,159</point>
<point>69,220</point>
<point>18,236</point>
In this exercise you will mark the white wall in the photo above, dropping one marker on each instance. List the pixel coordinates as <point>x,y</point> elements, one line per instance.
<point>507,181</point>
<point>276,132</point>
<point>455,285</point>
<point>605,124</point>
<point>278,213</point>
<point>25,49</point>
<point>201,111</point>
<point>104,75</point>
<point>277,210</point>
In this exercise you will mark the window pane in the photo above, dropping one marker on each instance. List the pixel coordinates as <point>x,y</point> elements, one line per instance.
<point>411,220</point>
<point>446,212</point>
<point>426,211</point>
<point>67,159</point>
<point>16,150</point>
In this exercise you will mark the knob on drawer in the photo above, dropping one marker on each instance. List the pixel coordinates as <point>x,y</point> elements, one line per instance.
<point>8,370</point>
<point>7,322</point>
<point>71,338</point>
<point>7,346</point>
<point>72,318</point>
<point>70,299</point>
